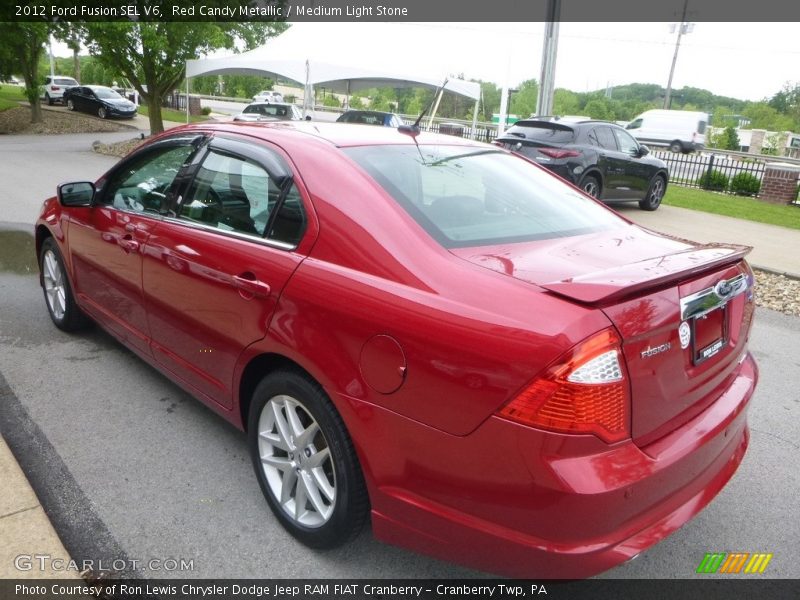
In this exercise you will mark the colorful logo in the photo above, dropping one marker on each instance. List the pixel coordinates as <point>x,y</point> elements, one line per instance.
<point>734,562</point>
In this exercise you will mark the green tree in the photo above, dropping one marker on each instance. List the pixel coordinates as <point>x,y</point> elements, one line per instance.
<point>523,101</point>
<point>566,102</point>
<point>764,116</point>
<point>152,56</point>
<point>599,108</point>
<point>730,139</point>
<point>21,48</point>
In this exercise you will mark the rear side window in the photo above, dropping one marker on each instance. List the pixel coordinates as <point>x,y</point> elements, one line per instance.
<point>471,196</point>
<point>603,137</point>
<point>232,193</point>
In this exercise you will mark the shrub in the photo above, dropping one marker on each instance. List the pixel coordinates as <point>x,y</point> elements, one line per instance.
<point>745,184</point>
<point>713,180</point>
<point>206,110</point>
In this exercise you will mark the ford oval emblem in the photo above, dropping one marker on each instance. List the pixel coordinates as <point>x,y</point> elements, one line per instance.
<point>723,289</point>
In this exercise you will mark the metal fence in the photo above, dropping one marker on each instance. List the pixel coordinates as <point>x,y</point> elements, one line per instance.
<point>711,170</point>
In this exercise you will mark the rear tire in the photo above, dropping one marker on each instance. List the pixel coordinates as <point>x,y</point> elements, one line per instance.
<point>61,305</point>
<point>591,185</point>
<point>48,98</point>
<point>655,193</point>
<point>676,146</point>
<point>305,461</point>
<point>70,105</point>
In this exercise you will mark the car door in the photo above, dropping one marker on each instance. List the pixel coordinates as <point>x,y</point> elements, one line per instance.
<point>637,170</point>
<point>215,269</point>
<point>107,240</point>
<point>612,163</point>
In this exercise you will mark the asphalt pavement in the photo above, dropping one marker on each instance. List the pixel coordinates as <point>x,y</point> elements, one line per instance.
<point>129,468</point>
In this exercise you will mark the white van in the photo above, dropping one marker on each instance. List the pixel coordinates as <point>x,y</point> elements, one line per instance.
<point>681,130</point>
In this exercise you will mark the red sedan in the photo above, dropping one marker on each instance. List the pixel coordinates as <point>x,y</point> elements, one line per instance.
<point>421,331</point>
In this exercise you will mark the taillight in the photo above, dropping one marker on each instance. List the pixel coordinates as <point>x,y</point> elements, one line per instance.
<point>55,88</point>
<point>559,153</point>
<point>586,391</point>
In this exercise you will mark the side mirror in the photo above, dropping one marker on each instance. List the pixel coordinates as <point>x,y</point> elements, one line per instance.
<point>643,150</point>
<point>79,193</point>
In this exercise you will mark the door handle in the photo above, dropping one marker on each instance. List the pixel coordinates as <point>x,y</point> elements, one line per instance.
<point>246,282</point>
<point>128,244</point>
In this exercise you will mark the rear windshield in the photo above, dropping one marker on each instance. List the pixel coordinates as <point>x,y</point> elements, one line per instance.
<point>64,81</point>
<point>472,196</point>
<point>544,134</point>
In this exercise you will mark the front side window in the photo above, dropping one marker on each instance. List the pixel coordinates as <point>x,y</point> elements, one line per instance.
<point>471,196</point>
<point>636,124</point>
<point>142,184</point>
<point>627,144</point>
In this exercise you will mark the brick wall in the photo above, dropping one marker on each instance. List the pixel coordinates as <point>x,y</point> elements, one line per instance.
<point>779,184</point>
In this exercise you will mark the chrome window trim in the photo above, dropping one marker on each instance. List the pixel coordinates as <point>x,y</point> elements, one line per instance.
<point>275,244</point>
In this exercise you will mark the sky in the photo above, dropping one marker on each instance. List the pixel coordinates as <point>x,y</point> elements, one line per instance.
<point>748,61</point>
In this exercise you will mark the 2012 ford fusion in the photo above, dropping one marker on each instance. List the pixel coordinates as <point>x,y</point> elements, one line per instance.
<point>434,335</point>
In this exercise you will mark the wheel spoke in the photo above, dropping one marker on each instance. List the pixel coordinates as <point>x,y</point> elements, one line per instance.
<point>323,484</point>
<point>279,462</point>
<point>274,439</point>
<point>318,458</point>
<point>288,484</point>
<point>281,425</point>
<point>312,491</point>
<point>300,499</point>
<point>293,420</point>
<point>305,436</point>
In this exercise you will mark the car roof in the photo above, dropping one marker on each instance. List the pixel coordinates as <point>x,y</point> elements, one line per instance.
<point>259,103</point>
<point>338,134</point>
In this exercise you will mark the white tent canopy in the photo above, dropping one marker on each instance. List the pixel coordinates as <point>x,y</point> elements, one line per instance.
<point>311,61</point>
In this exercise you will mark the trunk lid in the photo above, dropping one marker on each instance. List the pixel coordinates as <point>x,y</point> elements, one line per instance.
<point>683,310</point>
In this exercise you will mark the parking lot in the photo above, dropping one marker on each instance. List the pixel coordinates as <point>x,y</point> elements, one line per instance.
<point>136,468</point>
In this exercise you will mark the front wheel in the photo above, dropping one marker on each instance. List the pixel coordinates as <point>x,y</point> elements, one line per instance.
<point>70,105</point>
<point>305,461</point>
<point>101,112</point>
<point>655,193</point>
<point>61,306</point>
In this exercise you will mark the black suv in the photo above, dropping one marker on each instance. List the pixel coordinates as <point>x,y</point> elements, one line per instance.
<point>599,157</point>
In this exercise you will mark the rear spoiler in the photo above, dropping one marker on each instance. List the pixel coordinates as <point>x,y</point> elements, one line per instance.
<point>612,285</point>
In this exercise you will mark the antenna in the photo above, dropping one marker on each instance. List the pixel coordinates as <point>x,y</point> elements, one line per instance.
<point>413,130</point>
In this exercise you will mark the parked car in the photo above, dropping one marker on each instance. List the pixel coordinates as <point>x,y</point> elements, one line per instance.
<point>680,130</point>
<point>99,100</point>
<point>269,111</point>
<point>599,157</point>
<point>268,96</point>
<point>55,86</point>
<point>370,117</point>
<point>420,330</point>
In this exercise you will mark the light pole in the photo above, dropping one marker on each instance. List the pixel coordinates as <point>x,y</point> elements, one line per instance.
<point>683,27</point>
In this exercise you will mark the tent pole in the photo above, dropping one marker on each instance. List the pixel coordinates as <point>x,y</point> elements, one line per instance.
<point>435,108</point>
<point>475,116</point>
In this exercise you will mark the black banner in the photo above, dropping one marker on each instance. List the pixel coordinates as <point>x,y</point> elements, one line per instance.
<point>424,589</point>
<point>398,10</point>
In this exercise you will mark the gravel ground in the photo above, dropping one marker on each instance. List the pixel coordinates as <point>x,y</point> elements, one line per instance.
<point>18,120</point>
<point>778,292</point>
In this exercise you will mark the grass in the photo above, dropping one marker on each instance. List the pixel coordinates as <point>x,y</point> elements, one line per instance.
<point>739,207</point>
<point>10,96</point>
<point>176,116</point>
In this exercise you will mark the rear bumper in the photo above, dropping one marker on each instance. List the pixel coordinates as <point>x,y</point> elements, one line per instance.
<point>518,502</point>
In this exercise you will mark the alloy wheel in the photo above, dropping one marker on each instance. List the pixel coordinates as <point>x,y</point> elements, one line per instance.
<point>54,288</point>
<point>296,461</point>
